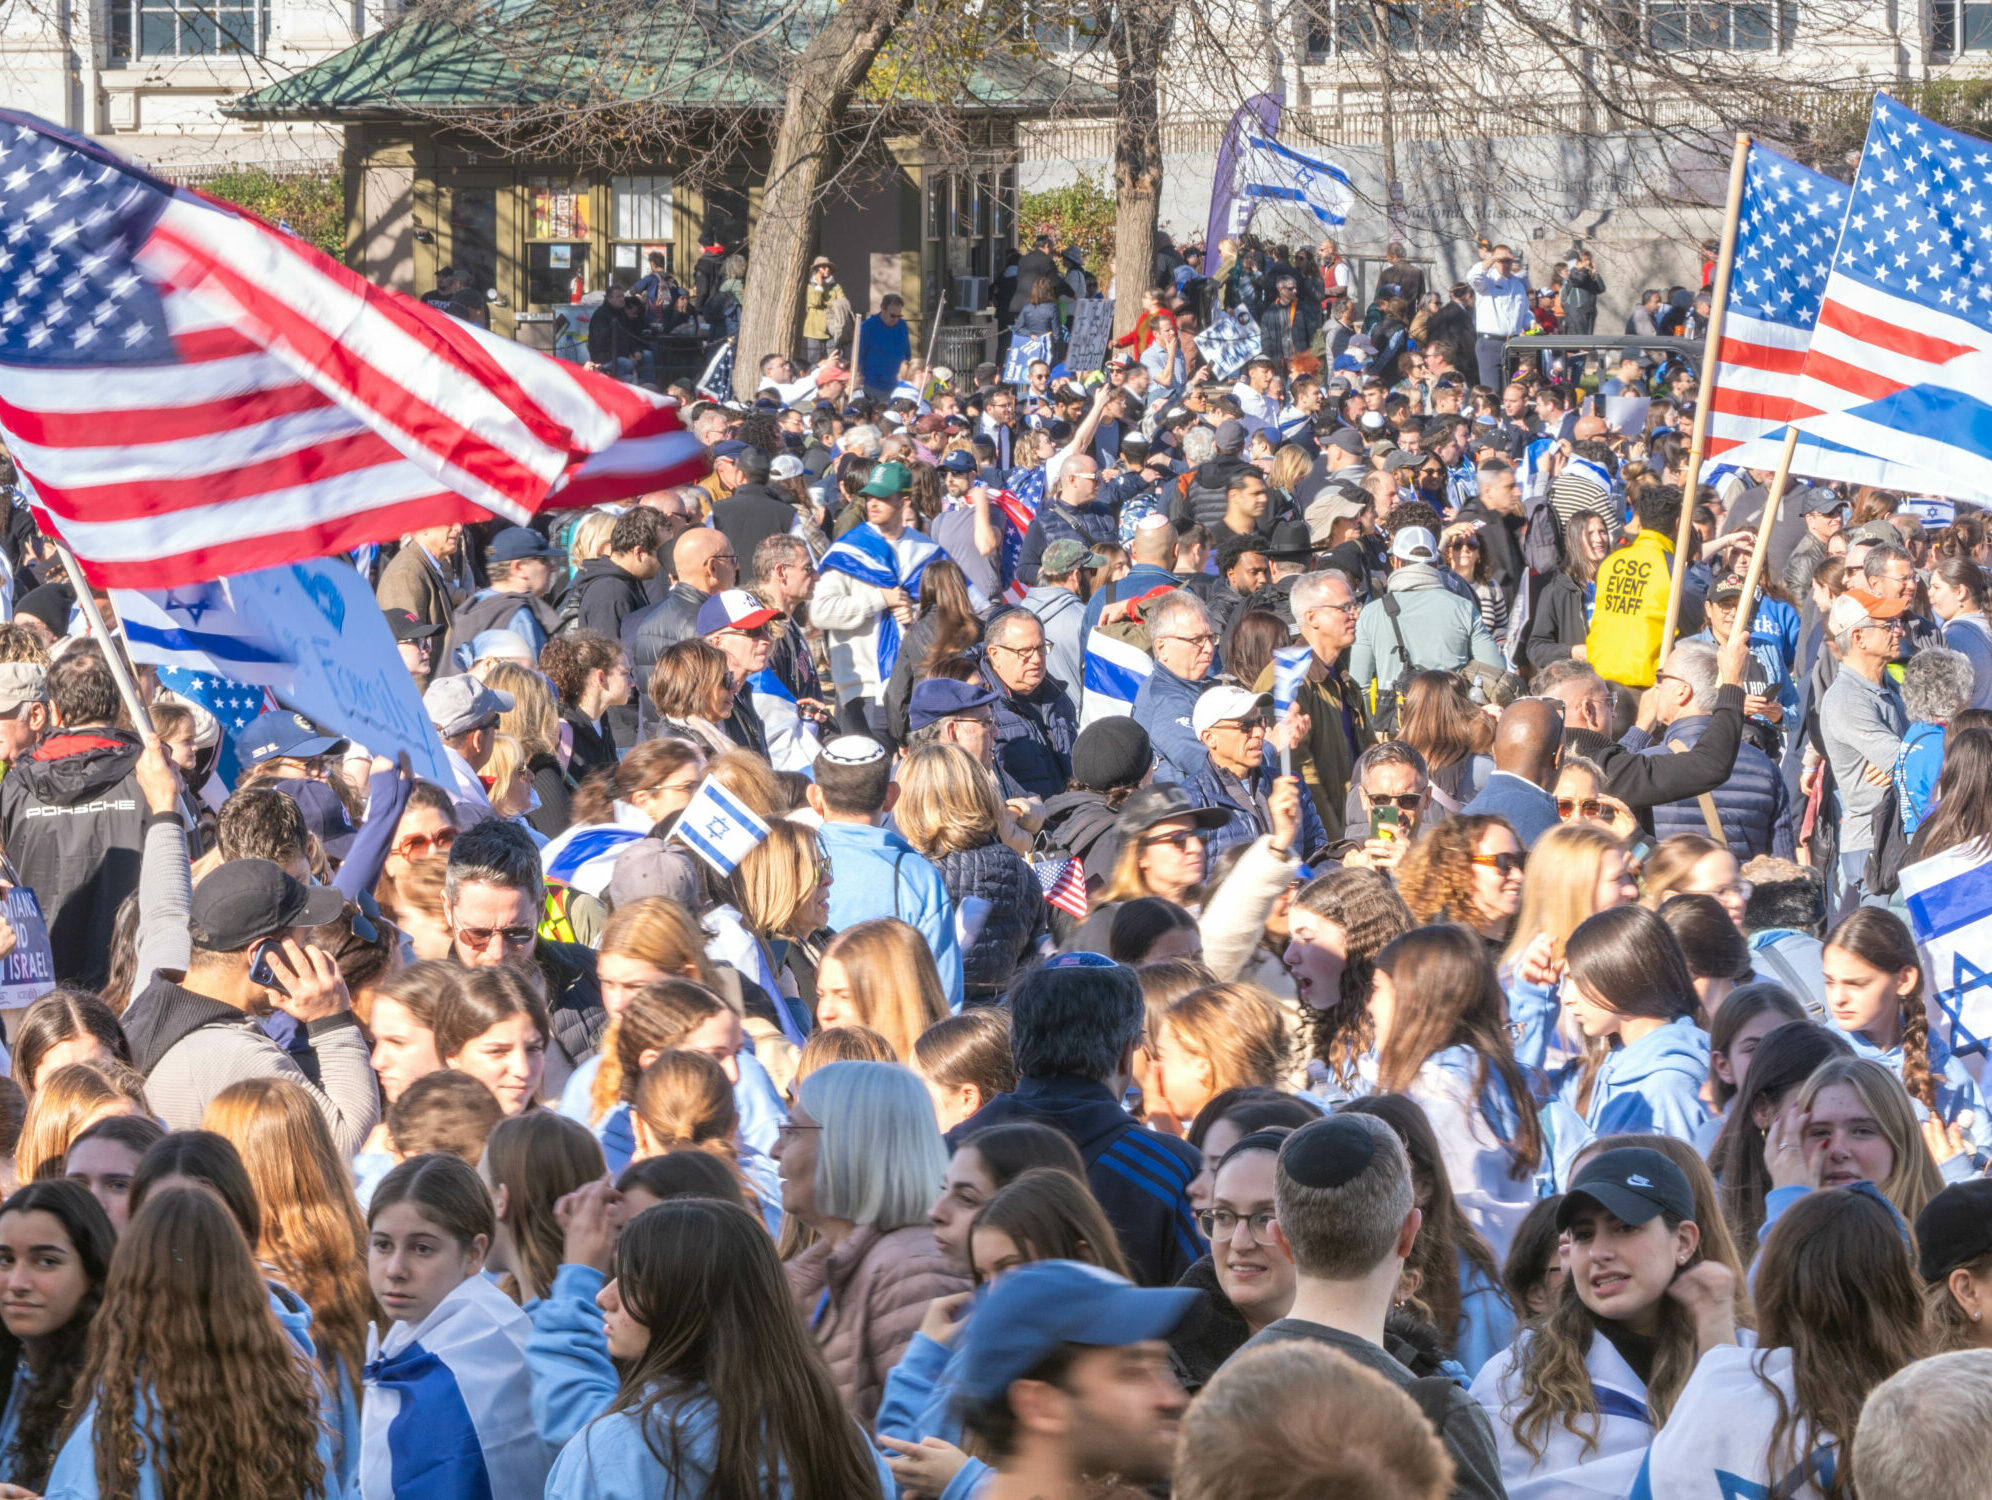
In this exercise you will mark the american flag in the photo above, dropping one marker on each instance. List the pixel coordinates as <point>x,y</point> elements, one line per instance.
<point>1019,500</point>
<point>1064,884</point>
<point>193,393</point>
<point>717,382</point>
<point>235,704</point>
<point>1785,233</point>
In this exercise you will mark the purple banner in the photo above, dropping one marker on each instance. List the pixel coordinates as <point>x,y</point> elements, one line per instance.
<point>1264,111</point>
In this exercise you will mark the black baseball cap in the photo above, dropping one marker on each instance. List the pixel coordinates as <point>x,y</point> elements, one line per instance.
<point>408,626</point>
<point>243,901</point>
<point>1954,1228</point>
<point>1632,1184</point>
<point>1160,802</point>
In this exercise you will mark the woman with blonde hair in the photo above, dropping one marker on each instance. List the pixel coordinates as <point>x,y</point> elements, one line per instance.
<point>507,782</point>
<point>313,1236</point>
<point>70,1100</point>
<point>1454,873</point>
<point>881,974</point>
<point>949,812</point>
<point>1575,871</point>
<point>641,943</point>
<point>534,721</point>
<point>774,903</point>
<point>1851,1122</point>
<point>1290,465</point>
<point>1223,1036</point>
<point>683,1102</point>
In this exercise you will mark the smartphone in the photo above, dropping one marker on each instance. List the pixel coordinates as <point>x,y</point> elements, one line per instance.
<point>1384,821</point>
<point>261,972</point>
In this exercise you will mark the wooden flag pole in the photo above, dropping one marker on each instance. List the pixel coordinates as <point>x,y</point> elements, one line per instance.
<point>1746,607</point>
<point>101,633</point>
<point>1711,350</point>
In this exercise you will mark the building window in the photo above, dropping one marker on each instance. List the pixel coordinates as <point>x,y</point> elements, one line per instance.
<point>188,28</point>
<point>639,226</point>
<point>1705,25</point>
<point>1960,26</point>
<point>560,210</point>
<point>1353,28</point>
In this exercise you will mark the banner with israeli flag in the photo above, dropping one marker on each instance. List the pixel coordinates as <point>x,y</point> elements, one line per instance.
<point>718,827</point>
<point>1115,671</point>
<point>1269,171</point>
<point>1017,363</point>
<point>198,627</point>
<point>448,1408</point>
<point>584,857</point>
<point>1948,899</point>
<point>865,554</point>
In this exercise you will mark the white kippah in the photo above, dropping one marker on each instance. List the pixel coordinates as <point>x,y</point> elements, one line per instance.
<point>853,750</point>
<point>1152,521</point>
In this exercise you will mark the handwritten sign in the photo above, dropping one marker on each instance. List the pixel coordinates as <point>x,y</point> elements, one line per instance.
<point>1092,329</point>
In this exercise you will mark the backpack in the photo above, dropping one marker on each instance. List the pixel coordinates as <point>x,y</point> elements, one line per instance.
<point>1542,545</point>
<point>569,609</point>
<point>1390,700</point>
<point>1133,631</point>
<point>1891,846</point>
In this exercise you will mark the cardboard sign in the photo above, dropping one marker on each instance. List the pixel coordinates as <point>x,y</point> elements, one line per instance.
<point>1092,331</point>
<point>28,972</point>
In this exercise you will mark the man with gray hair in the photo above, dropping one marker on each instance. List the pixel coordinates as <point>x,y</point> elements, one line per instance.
<point>1890,573</point>
<point>1752,811</point>
<point>1390,801</point>
<point>1035,720</point>
<point>1926,1431</point>
<point>1346,1216</point>
<point>1862,721</point>
<point>1936,688</point>
<point>1074,1025</point>
<point>1331,726</point>
<point>1184,642</point>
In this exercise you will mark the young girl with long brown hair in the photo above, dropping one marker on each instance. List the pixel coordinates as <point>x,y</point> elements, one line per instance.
<point>530,1163</point>
<point>58,1237</point>
<point>1338,925</point>
<point>670,1013</point>
<point>192,1386</point>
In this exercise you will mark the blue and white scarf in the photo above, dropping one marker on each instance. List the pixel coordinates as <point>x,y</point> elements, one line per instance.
<point>792,739</point>
<point>865,554</point>
<point>1566,1470</point>
<point>1716,1443</point>
<point>448,1408</point>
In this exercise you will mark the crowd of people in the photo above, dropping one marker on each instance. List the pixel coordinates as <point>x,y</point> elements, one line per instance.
<point>1256,968</point>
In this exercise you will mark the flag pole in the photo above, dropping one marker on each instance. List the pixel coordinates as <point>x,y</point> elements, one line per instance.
<point>1711,350</point>
<point>1746,608</point>
<point>114,656</point>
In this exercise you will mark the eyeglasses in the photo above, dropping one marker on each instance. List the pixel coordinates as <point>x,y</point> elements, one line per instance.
<point>1405,801</point>
<point>1180,840</point>
<point>684,787</point>
<point>418,844</point>
<point>1588,807</point>
<point>1740,889</point>
<point>1506,863</point>
<point>1027,652</point>
<point>480,938</point>
<point>1220,1224</point>
<point>752,633</point>
<point>1199,641</point>
<point>788,1130</point>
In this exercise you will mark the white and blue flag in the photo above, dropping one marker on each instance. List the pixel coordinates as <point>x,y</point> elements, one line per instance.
<point>1948,898</point>
<point>199,628</point>
<point>1115,671</point>
<point>718,827</point>
<point>448,1408</point>
<point>1269,171</point>
<point>584,856</point>
<point>864,553</point>
<point>1716,1441</point>
<point>792,739</point>
<point>1290,665</point>
<point>1017,364</point>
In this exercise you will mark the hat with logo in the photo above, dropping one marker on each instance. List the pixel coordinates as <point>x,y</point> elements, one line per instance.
<point>1632,1184</point>
<point>408,626</point>
<point>1062,556</point>
<point>1817,500</point>
<point>243,901</point>
<point>961,461</point>
<point>1728,589</point>
<point>732,609</point>
<point>281,733</point>
<point>1221,705</point>
<point>888,479</point>
<point>1415,544</point>
<point>1029,1313</point>
<point>942,698</point>
<point>457,705</point>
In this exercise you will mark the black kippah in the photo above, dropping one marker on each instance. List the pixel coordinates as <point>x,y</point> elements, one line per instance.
<point>1327,1153</point>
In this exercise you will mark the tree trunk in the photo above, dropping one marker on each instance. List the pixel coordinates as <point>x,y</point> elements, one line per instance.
<point>1140,31</point>
<point>826,78</point>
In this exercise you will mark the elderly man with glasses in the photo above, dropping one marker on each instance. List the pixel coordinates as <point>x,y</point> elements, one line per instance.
<point>1243,777</point>
<point>1862,720</point>
<point>1328,726</point>
<point>1183,640</point>
<point>1035,720</point>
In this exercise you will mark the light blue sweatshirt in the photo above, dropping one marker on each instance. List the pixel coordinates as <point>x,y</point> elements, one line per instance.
<point>919,1402</point>
<point>567,1355</point>
<point>74,1476</point>
<point>762,1114</point>
<point>1486,1322</point>
<point>613,1458</point>
<point>1654,1084</point>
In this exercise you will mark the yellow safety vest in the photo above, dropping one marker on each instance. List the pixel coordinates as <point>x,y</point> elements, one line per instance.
<point>1623,643</point>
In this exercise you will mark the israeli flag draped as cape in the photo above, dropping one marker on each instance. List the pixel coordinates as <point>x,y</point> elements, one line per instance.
<point>1566,1471</point>
<point>585,856</point>
<point>1115,671</point>
<point>1714,1446</point>
<point>448,1411</point>
<point>864,554</point>
<point>792,739</point>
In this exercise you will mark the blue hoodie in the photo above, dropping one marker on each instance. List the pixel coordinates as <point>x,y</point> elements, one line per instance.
<point>567,1355</point>
<point>921,1401</point>
<point>1654,1084</point>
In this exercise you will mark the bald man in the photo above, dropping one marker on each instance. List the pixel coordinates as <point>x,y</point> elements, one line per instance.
<point>704,562</point>
<point>1528,742</point>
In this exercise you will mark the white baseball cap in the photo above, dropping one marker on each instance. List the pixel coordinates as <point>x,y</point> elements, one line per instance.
<point>1415,544</point>
<point>1220,705</point>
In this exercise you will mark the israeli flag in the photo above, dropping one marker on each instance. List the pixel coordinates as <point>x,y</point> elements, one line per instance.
<point>864,554</point>
<point>584,857</point>
<point>448,1408</point>
<point>1268,170</point>
<point>792,739</point>
<point>1591,469</point>
<point>1115,671</point>
<point>1948,899</point>
<point>1290,665</point>
<point>199,628</point>
<point>1017,364</point>
<point>718,828</point>
<point>1714,1444</point>
<point>1533,480</point>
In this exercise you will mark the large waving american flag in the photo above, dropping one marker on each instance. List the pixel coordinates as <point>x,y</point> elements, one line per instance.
<point>193,393</point>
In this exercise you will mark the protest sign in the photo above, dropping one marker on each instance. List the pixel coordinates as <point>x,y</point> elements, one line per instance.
<point>1229,343</point>
<point>320,644</point>
<point>1092,328</point>
<point>28,972</point>
<point>1017,366</point>
<point>1627,413</point>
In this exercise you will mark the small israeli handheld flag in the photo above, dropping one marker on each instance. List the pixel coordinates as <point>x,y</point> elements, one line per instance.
<point>717,828</point>
<point>1290,665</point>
<point>1115,671</point>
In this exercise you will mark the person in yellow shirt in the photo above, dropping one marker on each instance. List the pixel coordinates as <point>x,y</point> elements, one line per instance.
<point>1623,643</point>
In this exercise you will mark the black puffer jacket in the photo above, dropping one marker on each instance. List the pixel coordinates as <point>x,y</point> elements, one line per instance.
<point>995,877</point>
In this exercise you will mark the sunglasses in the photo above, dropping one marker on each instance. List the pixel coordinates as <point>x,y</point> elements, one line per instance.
<point>1179,841</point>
<point>1506,863</point>
<point>481,938</point>
<point>418,844</point>
<point>1255,724</point>
<point>1405,801</point>
<point>1587,807</point>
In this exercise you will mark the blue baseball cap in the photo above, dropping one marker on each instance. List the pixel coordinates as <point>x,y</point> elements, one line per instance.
<point>281,733</point>
<point>959,462</point>
<point>516,543</point>
<point>1027,1313</point>
<point>943,698</point>
<point>729,448</point>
